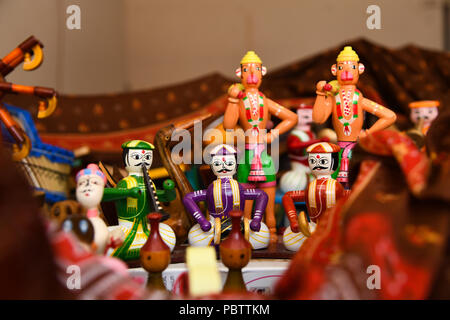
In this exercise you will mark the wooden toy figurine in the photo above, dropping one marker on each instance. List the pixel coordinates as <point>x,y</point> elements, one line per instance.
<point>133,202</point>
<point>222,196</point>
<point>252,109</point>
<point>235,253</point>
<point>30,53</point>
<point>321,194</point>
<point>297,141</point>
<point>346,104</point>
<point>423,113</point>
<point>89,192</point>
<point>155,254</point>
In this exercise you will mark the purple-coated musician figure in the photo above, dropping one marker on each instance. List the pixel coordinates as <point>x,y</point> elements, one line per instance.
<point>222,196</point>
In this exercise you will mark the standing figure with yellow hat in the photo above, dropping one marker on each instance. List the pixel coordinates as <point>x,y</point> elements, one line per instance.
<point>346,104</point>
<point>132,201</point>
<point>248,106</point>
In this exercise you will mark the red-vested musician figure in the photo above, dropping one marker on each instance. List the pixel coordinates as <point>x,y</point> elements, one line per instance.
<point>321,194</point>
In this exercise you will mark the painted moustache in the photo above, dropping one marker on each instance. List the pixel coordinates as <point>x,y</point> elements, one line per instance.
<point>140,164</point>
<point>319,168</point>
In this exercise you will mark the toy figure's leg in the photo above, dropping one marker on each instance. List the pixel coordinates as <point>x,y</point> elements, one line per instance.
<point>270,212</point>
<point>346,155</point>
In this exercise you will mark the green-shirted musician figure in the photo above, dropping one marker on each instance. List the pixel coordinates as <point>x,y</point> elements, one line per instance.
<point>132,201</point>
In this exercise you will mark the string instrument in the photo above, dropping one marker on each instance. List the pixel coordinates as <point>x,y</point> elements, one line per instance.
<point>30,53</point>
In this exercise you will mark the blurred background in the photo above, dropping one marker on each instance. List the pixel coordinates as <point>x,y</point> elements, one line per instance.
<point>128,45</point>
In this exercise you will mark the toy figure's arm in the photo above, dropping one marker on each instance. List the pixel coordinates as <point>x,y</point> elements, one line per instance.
<point>260,206</point>
<point>231,115</point>
<point>385,115</point>
<point>120,192</point>
<point>168,194</point>
<point>323,106</point>
<point>190,203</point>
<point>289,119</point>
<point>289,207</point>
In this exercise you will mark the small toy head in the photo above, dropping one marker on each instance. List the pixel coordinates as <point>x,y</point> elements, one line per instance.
<point>425,111</point>
<point>347,68</point>
<point>251,70</point>
<point>135,153</point>
<point>304,114</point>
<point>223,160</point>
<point>64,209</point>
<point>90,185</point>
<point>323,158</point>
<point>82,228</point>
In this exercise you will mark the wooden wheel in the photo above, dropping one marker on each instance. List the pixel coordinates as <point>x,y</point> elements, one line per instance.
<point>20,152</point>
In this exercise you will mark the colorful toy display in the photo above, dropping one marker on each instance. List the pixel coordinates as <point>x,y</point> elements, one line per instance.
<point>344,102</point>
<point>248,106</point>
<point>222,196</point>
<point>132,200</point>
<point>320,195</point>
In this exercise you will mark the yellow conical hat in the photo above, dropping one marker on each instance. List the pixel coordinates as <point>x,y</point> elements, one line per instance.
<point>348,54</point>
<point>251,57</point>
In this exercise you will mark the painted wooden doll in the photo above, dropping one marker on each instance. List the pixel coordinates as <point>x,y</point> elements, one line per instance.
<point>345,103</point>
<point>248,106</point>
<point>89,192</point>
<point>132,202</point>
<point>222,196</point>
<point>321,194</point>
<point>423,113</point>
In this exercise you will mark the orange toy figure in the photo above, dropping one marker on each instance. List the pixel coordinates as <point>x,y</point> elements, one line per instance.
<point>347,105</point>
<point>322,193</point>
<point>252,109</point>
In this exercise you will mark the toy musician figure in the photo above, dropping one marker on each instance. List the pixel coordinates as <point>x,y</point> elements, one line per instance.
<point>222,196</point>
<point>252,109</point>
<point>423,113</point>
<point>132,203</point>
<point>321,194</point>
<point>347,105</point>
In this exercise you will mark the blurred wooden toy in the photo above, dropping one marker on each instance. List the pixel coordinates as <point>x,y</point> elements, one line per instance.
<point>248,106</point>
<point>321,194</point>
<point>65,209</point>
<point>89,192</point>
<point>343,101</point>
<point>155,255</point>
<point>30,53</point>
<point>204,276</point>
<point>83,229</point>
<point>235,253</point>
<point>222,196</point>
<point>423,114</point>
<point>297,141</point>
<point>134,202</point>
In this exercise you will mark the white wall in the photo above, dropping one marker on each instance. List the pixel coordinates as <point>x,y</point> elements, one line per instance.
<point>137,44</point>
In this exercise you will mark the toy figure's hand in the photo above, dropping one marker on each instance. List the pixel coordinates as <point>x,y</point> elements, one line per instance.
<point>168,184</point>
<point>135,192</point>
<point>205,225</point>
<point>363,134</point>
<point>117,237</point>
<point>235,91</point>
<point>295,228</point>
<point>255,225</point>
<point>320,86</point>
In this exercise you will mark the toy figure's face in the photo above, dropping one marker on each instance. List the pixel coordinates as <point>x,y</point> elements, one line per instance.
<point>251,75</point>
<point>90,190</point>
<point>223,166</point>
<point>347,72</point>
<point>321,164</point>
<point>136,157</point>
<point>427,114</point>
<point>304,117</point>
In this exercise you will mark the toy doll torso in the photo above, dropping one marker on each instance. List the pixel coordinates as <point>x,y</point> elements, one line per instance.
<point>348,112</point>
<point>224,195</point>
<point>322,194</point>
<point>257,114</point>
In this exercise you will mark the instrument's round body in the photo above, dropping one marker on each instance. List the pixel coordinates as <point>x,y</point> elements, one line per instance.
<point>294,240</point>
